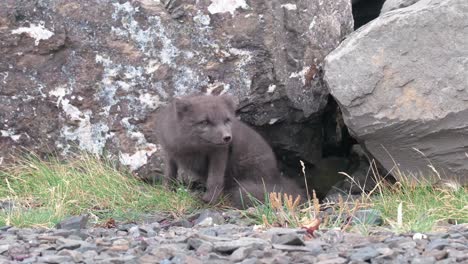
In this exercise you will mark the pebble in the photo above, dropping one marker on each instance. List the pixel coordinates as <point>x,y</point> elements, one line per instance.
<point>220,241</point>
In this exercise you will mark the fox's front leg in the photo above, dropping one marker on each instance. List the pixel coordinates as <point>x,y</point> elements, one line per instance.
<point>170,171</point>
<point>216,173</point>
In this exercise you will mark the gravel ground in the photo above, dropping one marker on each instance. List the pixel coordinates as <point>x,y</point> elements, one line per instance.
<point>211,239</point>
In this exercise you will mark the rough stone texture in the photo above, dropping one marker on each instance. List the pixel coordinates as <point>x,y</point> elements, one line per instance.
<point>401,82</point>
<point>91,73</point>
<point>390,5</point>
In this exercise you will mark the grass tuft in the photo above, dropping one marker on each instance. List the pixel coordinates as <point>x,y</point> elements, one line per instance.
<point>42,192</point>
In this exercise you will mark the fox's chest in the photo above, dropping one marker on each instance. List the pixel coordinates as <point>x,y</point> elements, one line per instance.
<point>195,163</point>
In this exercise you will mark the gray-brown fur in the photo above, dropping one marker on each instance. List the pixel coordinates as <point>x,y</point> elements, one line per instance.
<point>202,135</point>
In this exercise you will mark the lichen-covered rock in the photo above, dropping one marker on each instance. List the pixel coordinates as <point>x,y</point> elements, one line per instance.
<point>89,74</point>
<point>402,81</point>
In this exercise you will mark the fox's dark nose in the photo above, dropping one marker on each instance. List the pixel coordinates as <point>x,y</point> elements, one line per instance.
<point>227,138</point>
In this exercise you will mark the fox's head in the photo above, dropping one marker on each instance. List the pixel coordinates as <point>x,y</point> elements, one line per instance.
<point>207,120</point>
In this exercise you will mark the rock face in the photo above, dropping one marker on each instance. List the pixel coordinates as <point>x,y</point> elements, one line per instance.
<point>390,5</point>
<point>89,74</point>
<point>401,82</point>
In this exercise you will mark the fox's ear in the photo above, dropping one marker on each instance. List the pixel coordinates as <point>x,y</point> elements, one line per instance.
<point>181,106</point>
<point>230,102</point>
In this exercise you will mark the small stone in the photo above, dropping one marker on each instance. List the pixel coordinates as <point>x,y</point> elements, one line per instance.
<point>122,260</point>
<point>291,239</point>
<point>195,242</point>
<point>54,259</point>
<point>209,217</point>
<point>4,248</point>
<point>423,260</point>
<point>65,243</point>
<point>229,246</point>
<point>447,261</point>
<point>134,231</point>
<point>437,244</point>
<point>205,248</point>
<point>291,248</point>
<point>364,254</point>
<point>75,255</point>
<point>407,245</point>
<point>385,251</point>
<point>183,223</point>
<point>120,245</point>
<point>249,261</point>
<point>338,260</point>
<point>368,217</point>
<point>5,228</point>
<point>460,256</point>
<point>437,254</point>
<point>240,254</point>
<point>90,254</point>
<point>85,246</point>
<point>74,222</point>
<point>419,236</point>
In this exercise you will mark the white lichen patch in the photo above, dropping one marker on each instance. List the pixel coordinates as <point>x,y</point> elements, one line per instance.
<point>146,39</point>
<point>90,137</point>
<point>144,150</point>
<point>212,87</point>
<point>273,120</point>
<point>153,65</point>
<point>271,88</point>
<point>245,59</point>
<point>150,100</point>
<point>137,159</point>
<point>131,76</point>
<point>10,133</point>
<point>289,6</point>
<point>300,75</point>
<point>5,76</point>
<point>37,32</point>
<point>184,80</point>
<point>59,92</point>
<point>223,6</point>
<point>202,19</point>
<point>312,23</point>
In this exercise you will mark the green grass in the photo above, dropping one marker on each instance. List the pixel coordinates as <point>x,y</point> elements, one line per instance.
<point>423,205</point>
<point>47,191</point>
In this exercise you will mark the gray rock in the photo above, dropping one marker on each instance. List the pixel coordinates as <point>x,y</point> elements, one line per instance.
<point>338,260</point>
<point>364,254</point>
<point>75,255</point>
<point>291,239</point>
<point>209,217</point>
<point>64,243</point>
<point>390,5</point>
<point>55,259</point>
<point>138,54</point>
<point>249,261</point>
<point>292,248</point>
<point>404,99</point>
<point>183,223</point>
<point>74,223</point>
<point>229,246</point>
<point>423,260</point>
<point>4,248</point>
<point>367,217</point>
<point>438,244</point>
<point>240,254</point>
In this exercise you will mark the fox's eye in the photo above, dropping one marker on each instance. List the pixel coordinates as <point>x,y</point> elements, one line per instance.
<point>228,120</point>
<point>204,123</point>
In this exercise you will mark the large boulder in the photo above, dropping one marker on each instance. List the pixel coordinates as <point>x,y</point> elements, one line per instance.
<point>402,84</point>
<point>390,5</point>
<point>90,74</point>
